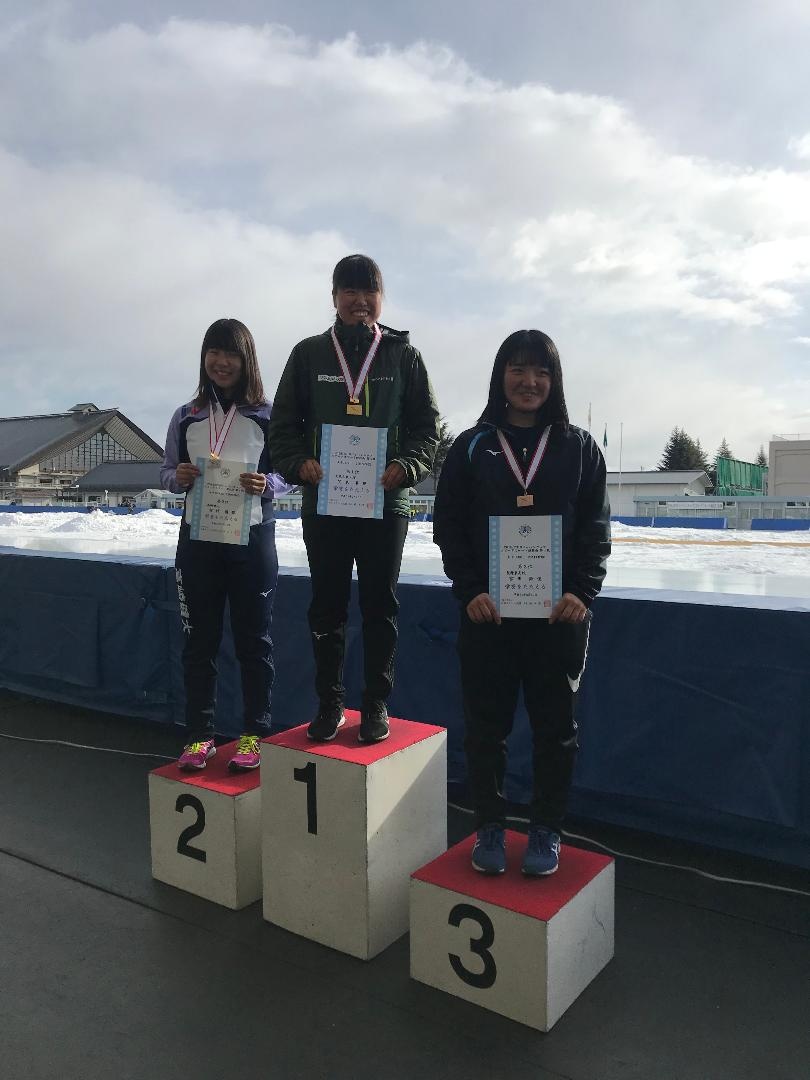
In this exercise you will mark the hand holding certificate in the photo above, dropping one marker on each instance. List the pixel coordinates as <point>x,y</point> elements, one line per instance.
<point>525,565</point>
<point>353,460</point>
<point>220,507</point>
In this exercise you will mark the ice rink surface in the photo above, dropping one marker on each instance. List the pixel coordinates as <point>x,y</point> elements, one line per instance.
<point>693,560</point>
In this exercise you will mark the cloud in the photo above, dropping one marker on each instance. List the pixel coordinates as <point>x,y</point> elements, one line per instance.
<point>799,146</point>
<point>801,341</point>
<point>554,190</point>
<point>162,178</point>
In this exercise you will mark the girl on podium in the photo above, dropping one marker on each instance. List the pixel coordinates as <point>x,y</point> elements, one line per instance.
<point>522,459</point>
<point>225,423</point>
<point>357,374</point>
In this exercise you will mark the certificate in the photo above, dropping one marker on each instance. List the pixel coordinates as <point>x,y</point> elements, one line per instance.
<point>220,507</point>
<point>525,565</point>
<point>353,461</point>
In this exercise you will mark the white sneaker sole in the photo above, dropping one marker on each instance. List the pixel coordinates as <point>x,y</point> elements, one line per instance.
<point>316,738</point>
<point>192,768</point>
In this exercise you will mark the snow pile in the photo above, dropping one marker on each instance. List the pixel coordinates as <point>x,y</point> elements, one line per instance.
<point>154,533</point>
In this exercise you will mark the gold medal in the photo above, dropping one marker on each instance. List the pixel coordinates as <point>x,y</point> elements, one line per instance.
<point>525,500</point>
<point>213,460</point>
<point>354,408</point>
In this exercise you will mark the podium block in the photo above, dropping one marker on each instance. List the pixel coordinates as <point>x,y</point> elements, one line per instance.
<point>344,825</point>
<point>206,830</point>
<point>523,947</point>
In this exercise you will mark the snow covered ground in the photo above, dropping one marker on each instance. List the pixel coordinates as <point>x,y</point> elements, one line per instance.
<point>692,559</point>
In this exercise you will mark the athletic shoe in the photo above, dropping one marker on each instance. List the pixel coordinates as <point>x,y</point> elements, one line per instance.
<point>373,723</point>
<point>325,725</point>
<point>196,754</point>
<point>489,851</point>
<point>248,754</point>
<point>542,852</point>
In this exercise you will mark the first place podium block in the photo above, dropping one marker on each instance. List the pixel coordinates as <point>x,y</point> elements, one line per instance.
<point>345,825</point>
<point>206,830</point>
<point>523,947</point>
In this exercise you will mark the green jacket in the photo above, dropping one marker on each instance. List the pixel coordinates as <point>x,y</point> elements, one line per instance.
<point>397,395</point>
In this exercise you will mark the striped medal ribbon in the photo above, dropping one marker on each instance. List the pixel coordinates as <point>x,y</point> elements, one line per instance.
<point>354,408</point>
<point>525,499</point>
<point>216,438</point>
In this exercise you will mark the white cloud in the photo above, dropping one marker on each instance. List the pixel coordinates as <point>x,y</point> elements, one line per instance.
<point>799,146</point>
<point>801,341</point>
<point>160,179</point>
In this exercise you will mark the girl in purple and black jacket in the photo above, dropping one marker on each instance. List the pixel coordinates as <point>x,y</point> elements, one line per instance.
<point>228,418</point>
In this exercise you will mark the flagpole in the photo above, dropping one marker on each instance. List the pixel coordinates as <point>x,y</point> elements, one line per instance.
<point>589,417</point>
<point>621,437</point>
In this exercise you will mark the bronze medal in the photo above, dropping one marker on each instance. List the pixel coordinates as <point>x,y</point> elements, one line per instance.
<point>525,500</point>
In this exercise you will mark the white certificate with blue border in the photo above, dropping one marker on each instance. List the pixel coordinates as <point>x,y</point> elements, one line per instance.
<point>525,565</point>
<point>353,461</point>
<point>220,507</point>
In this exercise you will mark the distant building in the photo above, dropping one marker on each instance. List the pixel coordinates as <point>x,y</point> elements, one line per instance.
<point>126,483</point>
<point>789,466</point>
<point>43,457</point>
<point>625,488</point>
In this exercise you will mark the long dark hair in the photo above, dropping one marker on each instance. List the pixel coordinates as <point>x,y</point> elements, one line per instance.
<point>230,335</point>
<point>532,347</point>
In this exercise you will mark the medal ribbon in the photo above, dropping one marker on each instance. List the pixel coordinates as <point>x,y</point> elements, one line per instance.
<point>534,464</point>
<point>216,439</point>
<point>355,388</point>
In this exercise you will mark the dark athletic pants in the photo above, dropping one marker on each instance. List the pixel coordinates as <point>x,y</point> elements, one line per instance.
<point>333,545</point>
<point>495,662</point>
<point>207,575</point>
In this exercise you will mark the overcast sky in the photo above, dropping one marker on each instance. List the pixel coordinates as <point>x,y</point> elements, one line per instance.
<point>631,177</point>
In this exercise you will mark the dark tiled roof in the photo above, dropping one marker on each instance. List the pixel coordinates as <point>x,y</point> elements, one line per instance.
<point>130,476</point>
<point>25,440</point>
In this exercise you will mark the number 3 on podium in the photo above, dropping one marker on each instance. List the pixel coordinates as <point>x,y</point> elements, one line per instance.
<point>479,946</point>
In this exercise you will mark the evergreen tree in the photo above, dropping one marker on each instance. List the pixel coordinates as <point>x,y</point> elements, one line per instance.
<point>699,459</point>
<point>723,450</point>
<point>446,439</point>
<point>761,458</point>
<point>673,451</point>
<point>683,453</point>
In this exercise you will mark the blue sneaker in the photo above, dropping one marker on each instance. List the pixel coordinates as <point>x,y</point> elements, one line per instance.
<point>542,852</point>
<point>489,850</point>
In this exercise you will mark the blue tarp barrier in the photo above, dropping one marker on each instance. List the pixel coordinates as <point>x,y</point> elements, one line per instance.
<point>624,520</point>
<point>694,717</point>
<point>780,525</point>
<point>690,522</point>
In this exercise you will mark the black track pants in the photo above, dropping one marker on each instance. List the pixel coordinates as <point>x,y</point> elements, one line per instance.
<point>333,545</point>
<point>495,662</point>
<point>207,575</point>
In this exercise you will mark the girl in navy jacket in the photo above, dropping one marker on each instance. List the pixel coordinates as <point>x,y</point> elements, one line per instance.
<point>557,469</point>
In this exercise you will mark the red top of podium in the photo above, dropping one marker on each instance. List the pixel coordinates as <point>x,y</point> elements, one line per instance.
<point>539,898</point>
<point>216,776</point>
<point>345,747</point>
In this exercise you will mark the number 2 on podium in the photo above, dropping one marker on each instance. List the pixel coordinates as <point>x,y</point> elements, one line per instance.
<point>306,775</point>
<point>192,830</point>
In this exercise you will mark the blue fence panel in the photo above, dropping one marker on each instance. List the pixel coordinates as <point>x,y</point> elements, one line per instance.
<point>690,522</point>
<point>694,719</point>
<point>779,525</point>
